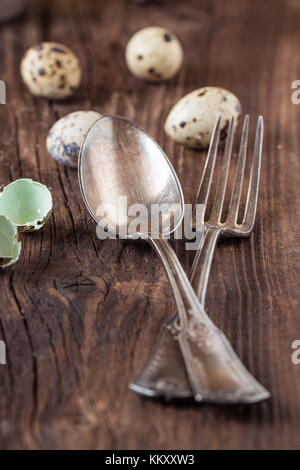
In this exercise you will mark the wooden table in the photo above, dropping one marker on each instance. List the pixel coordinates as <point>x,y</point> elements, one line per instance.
<point>79,316</point>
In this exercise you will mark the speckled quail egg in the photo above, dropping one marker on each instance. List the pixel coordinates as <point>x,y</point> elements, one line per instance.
<point>10,247</point>
<point>191,121</point>
<point>51,70</point>
<point>154,54</point>
<point>26,203</point>
<point>67,134</point>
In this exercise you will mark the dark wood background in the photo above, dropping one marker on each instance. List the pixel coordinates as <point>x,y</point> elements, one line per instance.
<point>80,316</point>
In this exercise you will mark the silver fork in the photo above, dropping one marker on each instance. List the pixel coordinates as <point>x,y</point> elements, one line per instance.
<point>210,370</point>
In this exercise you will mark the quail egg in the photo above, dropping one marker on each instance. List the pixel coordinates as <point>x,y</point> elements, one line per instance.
<point>10,247</point>
<point>191,121</point>
<point>51,70</point>
<point>26,203</point>
<point>154,54</point>
<point>67,134</point>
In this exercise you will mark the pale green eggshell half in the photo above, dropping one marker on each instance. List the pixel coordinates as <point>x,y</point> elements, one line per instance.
<point>26,203</point>
<point>10,247</point>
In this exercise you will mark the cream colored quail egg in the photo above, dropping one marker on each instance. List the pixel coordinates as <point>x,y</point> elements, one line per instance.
<point>67,134</point>
<point>191,121</point>
<point>26,203</point>
<point>154,54</point>
<point>51,70</point>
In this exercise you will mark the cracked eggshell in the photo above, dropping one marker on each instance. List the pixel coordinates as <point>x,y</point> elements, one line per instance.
<point>191,121</point>
<point>51,70</point>
<point>154,54</point>
<point>67,134</point>
<point>10,247</point>
<point>26,203</point>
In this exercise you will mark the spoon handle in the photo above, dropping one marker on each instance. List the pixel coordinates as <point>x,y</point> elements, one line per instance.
<point>214,371</point>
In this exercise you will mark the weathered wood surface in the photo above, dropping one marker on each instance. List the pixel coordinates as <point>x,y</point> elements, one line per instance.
<point>79,316</point>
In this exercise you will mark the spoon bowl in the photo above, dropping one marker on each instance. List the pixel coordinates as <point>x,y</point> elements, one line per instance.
<point>125,175</point>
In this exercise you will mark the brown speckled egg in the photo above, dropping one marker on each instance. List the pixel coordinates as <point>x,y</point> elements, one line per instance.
<point>191,121</point>
<point>51,70</point>
<point>154,54</point>
<point>67,134</point>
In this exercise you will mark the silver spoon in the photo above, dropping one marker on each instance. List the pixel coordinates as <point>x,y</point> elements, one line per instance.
<point>119,160</point>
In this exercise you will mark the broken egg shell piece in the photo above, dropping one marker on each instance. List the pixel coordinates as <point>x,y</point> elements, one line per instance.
<point>10,247</point>
<point>26,203</point>
<point>191,120</point>
<point>67,134</point>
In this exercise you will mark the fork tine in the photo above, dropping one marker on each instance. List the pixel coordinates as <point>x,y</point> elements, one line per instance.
<point>216,212</point>
<point>204,187</point>
<point>252,195</point>
<point>239,176</point>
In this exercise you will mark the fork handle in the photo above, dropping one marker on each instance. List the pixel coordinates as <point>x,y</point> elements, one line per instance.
<point>214,371</point>
<point>193,319</point>
<point>201,266</point>
<point>188,305</point>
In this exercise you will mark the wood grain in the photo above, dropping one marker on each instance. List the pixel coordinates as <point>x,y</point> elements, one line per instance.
<point>79,316</point>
